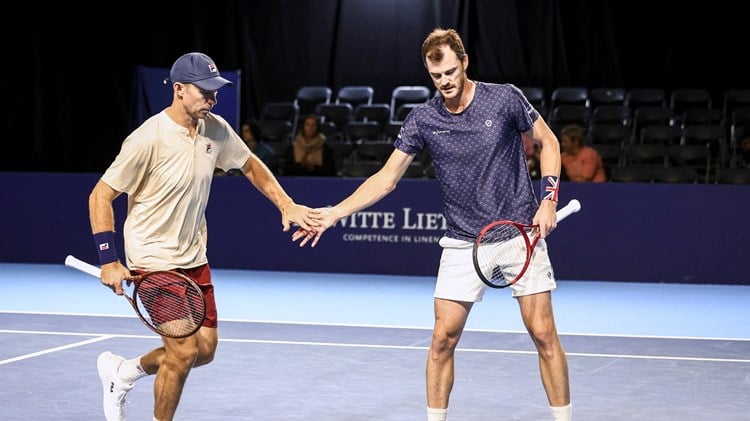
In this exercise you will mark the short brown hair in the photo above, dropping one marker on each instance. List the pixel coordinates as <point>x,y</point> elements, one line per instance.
<point>438,38</point>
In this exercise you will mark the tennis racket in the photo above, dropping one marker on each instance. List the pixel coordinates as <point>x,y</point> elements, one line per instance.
<point>503,249</point>
<point>169,303</point>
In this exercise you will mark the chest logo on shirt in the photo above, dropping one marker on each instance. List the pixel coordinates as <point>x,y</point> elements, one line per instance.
<point>488,123</point>
<point>208,147</point>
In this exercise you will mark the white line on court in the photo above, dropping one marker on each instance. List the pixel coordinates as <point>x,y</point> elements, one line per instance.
<point>51,350</point>
<point>104,336</point>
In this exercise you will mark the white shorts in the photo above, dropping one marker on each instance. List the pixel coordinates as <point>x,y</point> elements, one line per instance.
<point>457,280</point>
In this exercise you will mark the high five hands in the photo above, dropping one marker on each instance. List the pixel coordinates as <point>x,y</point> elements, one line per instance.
<point>325,218</point>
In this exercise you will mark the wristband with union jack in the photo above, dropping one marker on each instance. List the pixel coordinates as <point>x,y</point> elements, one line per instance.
<point>550,187</point>
<point>105,246</point>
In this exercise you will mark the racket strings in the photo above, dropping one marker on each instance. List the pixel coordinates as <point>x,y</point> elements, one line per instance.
<point>501,253</point>
<point>172,305</point>
<point>500,233</point>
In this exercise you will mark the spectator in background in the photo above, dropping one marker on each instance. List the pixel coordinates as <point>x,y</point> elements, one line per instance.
<point>309,154</point>
<point>250,134</point>
<point>580,162</point>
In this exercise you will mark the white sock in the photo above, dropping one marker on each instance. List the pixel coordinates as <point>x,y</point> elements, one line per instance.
<point>562,413</point>
<point>437,414</point>
<point>131,370</point>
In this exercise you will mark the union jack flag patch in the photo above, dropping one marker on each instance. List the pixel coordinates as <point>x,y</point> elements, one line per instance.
<point>550,187</point>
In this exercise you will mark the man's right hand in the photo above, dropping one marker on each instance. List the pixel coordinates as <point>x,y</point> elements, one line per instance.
<point>113,274</point>
<point>325,219</point>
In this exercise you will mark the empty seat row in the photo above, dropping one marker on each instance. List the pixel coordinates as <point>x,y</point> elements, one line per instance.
<point>352,106</point>
<point>309,98</point>
<point>650,174</point>
<point>678,100</point>
<point>656,124</point>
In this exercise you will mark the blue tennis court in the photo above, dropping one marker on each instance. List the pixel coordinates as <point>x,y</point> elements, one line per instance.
<point>301,346</point>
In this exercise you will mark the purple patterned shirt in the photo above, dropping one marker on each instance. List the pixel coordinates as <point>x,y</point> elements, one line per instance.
<point>478,156</point>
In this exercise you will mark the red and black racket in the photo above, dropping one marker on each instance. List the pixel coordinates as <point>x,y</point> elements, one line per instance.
<point>503,249</point>
<point>168,302</point>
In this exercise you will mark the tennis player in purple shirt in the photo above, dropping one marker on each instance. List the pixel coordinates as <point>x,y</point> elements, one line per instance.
<point>473,133</point>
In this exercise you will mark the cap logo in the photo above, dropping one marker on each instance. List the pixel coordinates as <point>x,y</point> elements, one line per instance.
<point>212,68</point>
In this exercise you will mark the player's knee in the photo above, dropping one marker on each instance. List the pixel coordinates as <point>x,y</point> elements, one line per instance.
<point>546,341</point>
<point>179,363</point>
<point>205,357</point>
<point>442,346</point>
<point>183,356</point>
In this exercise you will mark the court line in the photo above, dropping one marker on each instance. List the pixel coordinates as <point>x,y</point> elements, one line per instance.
<point>95,334</point>
<point>482,350</point>
<point>52,313</point>
<point>380,326</point>
<point>102,336</point>
<point>51,350</point>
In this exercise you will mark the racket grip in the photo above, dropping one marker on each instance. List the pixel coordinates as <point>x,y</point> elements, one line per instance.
<point>76,263</point>
<point>572,207</point>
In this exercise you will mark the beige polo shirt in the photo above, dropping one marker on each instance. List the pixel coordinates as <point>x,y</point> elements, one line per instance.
<point>167,177</point>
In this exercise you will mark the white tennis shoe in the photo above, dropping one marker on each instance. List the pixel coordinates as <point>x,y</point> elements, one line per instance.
<point>113,388</point>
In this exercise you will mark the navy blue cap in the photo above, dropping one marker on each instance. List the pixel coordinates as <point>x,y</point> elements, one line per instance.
<point>198,69</point>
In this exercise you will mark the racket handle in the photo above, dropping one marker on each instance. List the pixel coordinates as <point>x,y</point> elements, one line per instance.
<point>572,207</point>
<point>76,263</point>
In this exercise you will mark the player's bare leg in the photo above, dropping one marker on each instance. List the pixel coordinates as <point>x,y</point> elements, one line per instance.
<point>450,319</point>
<point>536,311</point>
<point>172,368</point>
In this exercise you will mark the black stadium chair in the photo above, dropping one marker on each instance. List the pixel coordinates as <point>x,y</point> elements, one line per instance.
<point>536,97</point>
<point>662,134</point>
<point>693,116</point>
<point>402,111</point>
<point>606,96</point>
<point>308,98</point>
<point>684,175</point>
<point>733,99</point>
<point>355,95</point>
<point>639,97</point>
<point>614,134</point>
<point>363,131</point>
<point>611,114</point>
<point>569,95</point>
<point>734,176</point>
<point>379,112</point>
<point>645,154</point>
<point>650,115</point>
<point>631,174</point>
<point>360,169</point>
<point>373,151</point>
<point>337,115</point>
<point>408,95</point>
<point>694,157</point>
<point>682,99</point>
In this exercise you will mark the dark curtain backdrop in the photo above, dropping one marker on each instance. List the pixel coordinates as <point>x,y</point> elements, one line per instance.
<point>67,71</point>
